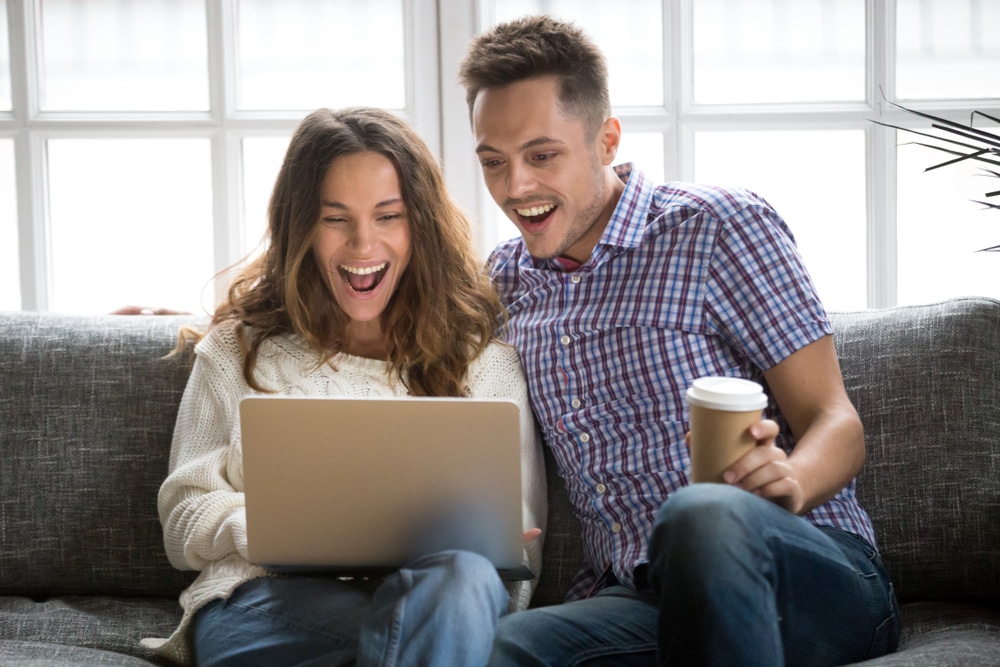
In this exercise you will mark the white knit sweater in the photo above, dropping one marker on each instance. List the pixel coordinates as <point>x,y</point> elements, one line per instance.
<point>201,502</point>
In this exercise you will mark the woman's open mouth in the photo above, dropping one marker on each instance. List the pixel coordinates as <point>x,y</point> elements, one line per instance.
<point>363,278</point>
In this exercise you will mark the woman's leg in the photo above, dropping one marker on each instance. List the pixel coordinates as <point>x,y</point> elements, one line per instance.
<point>442,609</point>
<point>282,621</point>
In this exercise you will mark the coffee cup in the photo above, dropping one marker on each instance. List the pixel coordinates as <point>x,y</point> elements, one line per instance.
<point>722,411</point>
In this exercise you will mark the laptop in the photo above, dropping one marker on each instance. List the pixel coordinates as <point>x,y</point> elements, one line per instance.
<point>361,486</point>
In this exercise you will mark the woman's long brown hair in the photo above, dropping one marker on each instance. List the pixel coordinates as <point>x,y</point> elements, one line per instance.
<point>444,311</point>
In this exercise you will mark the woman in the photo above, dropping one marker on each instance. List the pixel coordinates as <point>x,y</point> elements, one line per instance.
<point>368,286</point>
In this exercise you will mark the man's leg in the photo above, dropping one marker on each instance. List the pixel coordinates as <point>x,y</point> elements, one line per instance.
<point>441,610</point>
<point>741,581</point>
<point>615,627</point>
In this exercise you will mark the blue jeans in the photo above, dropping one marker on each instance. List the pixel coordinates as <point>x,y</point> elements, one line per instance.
<point>442,609</point>
<point>732,580</point>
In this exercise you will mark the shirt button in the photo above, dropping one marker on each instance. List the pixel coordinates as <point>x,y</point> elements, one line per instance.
<point>600,488</point>
<point>616,527</point>
<point>576,402</point>
<point>574,279</point>
<point>565,340</point>
<point>584,437</point>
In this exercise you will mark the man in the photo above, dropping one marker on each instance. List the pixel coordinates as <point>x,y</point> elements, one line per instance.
<point>620,294</point>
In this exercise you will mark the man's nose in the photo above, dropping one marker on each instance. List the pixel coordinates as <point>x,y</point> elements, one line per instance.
<point>520,180</point>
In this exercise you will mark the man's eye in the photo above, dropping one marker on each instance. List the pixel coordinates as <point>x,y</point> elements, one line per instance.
<point>489,164</point>
<point>543,157</point>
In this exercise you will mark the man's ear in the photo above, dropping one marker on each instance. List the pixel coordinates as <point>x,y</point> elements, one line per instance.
<point>609,137</point>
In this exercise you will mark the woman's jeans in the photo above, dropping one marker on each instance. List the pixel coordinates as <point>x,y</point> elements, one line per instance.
<point>442,609</point>
<point>732,580</point>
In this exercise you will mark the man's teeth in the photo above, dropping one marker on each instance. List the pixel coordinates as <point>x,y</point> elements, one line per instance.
<point>534,210</point>
<point>362,270</point>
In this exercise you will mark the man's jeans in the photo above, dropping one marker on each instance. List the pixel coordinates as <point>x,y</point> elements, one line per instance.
<point>442,609</point>
<point>740,581</point>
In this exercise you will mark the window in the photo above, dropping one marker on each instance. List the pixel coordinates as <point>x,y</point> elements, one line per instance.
<point>132,170</point>
<point>139,139</point>
<point>779,96</point>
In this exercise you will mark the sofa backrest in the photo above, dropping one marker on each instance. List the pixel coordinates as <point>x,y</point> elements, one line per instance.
<point>87,406</point>
<point>926,382</point>
<point>87,409</point>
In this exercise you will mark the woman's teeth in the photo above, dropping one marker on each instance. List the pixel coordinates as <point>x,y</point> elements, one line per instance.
<point>363,278</point>
<point>362,270</point>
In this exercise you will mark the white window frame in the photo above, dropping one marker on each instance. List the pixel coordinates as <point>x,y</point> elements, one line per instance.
<point>223,125</point>
<point>679,119</point>
<point>437,33</point>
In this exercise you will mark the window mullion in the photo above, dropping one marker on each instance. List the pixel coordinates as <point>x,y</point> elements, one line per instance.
<point>881,157</point>
<point>226,155</point>
<point>29,156</point>
<point>678,16</point>
<point>458,22</point>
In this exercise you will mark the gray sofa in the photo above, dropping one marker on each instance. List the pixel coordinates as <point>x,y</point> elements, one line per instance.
<point>88,404</point>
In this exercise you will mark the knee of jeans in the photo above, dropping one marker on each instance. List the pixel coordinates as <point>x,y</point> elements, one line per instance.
<point>701,511</point>
<point>466,571</point>
<point>468,565</point>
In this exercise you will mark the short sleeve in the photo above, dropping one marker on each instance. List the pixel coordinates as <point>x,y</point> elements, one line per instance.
<point>761,299</point>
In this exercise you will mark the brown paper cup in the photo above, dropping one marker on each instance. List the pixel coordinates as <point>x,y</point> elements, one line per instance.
<point>722,411</point>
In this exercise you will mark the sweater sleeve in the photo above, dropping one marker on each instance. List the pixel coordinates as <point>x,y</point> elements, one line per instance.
<point>500,375</point>
<point>201,502</point>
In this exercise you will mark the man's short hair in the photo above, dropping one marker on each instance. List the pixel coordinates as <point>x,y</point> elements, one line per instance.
<point>538,46</point>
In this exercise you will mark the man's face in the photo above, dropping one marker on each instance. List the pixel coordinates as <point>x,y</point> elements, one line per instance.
<point>543,169</point>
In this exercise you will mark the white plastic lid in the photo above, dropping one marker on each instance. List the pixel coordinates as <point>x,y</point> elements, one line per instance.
<point>728,394</point>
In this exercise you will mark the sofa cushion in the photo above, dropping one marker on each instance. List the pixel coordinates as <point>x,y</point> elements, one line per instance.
<point>941,633</point>
<point>88,407</point>
<point>926,382</point>
<point>88,630</point>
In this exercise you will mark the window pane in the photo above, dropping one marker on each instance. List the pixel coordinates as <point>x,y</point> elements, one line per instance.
<point>816,182</point>
<point>4,61</point>
<point>939,228</point>
<point>630,32</point>
<point>10,277</point>
<point>131,223</point>
<point>645,150</point>
<point>262,158</point>
<point>305,54</point>
<point>947,48</point>
<point>769,51</point>
<point>127,55</point>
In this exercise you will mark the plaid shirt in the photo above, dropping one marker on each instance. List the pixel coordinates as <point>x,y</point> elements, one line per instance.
<point>686,281</point>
